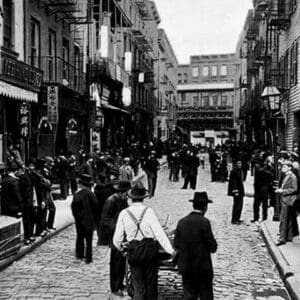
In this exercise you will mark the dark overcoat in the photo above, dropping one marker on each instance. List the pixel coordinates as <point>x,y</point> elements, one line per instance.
<point>84,209</point>
<point>195,242</point>
<point>236,183</point>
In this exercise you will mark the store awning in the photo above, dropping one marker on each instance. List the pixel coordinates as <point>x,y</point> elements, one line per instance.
<point>17,93</point>
<point>109,106</point>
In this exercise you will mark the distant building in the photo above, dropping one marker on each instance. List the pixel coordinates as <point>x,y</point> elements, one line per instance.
<point>206,99</point>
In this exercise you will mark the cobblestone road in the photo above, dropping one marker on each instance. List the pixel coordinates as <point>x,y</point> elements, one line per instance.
<point>243,268</point>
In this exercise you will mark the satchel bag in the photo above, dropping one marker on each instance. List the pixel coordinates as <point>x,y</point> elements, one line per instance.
<point>144,251</point>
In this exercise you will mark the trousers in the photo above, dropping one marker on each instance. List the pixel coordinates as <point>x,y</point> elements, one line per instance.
<point>117,270</point>
<point>28,221</point>
<point>195,287</point>
<point>84,241</point>
<point>260,199</point>
<point>145,281</point>
<point>51,213</point>
<point>286,224</point>
<point>237,208</point>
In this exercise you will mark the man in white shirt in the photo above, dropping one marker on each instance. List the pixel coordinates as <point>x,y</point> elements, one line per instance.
<point>144,277</point>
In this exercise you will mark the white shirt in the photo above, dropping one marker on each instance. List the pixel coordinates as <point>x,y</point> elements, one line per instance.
<point>150,227</point>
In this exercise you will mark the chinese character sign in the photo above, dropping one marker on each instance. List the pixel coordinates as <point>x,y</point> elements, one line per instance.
<point>52,104</point>
<point>24,120</point>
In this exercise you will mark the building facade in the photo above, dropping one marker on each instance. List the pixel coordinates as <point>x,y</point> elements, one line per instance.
<point>206,99</point>
<point>165,122</point>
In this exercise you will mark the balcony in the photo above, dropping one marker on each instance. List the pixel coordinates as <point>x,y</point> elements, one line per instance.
<point>252,31</point>
<point>58,71</point>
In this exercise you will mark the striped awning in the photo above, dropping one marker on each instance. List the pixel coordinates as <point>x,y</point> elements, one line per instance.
<point>17,93</point>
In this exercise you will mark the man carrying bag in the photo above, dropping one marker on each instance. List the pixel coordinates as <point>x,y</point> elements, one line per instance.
<point>142,230</point>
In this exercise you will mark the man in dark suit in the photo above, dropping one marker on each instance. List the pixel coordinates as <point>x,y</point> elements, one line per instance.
<point>236,190</point>
<point>11,203</point>
<point>195,242</point>
<point>84,209</point>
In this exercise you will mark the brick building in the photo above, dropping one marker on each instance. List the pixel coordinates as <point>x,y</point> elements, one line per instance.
<point>206,98</point>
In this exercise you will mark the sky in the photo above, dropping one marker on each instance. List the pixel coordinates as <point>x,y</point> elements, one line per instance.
<point>197,27</point>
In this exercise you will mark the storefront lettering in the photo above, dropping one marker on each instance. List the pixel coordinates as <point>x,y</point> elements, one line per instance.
<point>21,73</point>
<point>24,120</point>
<point>52,106</point>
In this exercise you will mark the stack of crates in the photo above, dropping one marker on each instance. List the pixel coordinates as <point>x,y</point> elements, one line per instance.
<point>10,236</point>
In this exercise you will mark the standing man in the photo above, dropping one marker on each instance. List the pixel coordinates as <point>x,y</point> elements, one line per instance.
<point>84,209</point>
<point>151,168</point>
<point>288,193</point>
<point>236,190</point>
<point>195,242</point>
<point>110,213</point>
<point>126,171</point>
<point>138,223</point>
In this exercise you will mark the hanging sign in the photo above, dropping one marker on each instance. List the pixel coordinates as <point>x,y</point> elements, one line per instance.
<point>24,120</point>
<point>52,104</point>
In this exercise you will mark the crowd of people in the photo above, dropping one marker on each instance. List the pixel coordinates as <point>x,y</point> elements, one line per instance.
<point>108,198</point>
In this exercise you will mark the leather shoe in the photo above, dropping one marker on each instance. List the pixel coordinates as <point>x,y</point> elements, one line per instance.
<point>279,243</point>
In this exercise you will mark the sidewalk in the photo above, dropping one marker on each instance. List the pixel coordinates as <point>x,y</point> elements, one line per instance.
<point>63,219</point>
<point>286,257</point>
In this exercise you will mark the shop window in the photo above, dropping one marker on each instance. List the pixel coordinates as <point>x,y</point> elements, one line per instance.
<point>196,101</point>
<point>35,42</point>
<point>224,71</point>
<point>8,24</point>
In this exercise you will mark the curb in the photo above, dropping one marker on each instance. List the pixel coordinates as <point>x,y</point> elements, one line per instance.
<point>27,249</point>
<point>285,270</point>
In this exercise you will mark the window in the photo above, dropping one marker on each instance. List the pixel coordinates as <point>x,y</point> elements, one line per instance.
<point>293,6</point>
<point>185,78</point>
<point>179,77</point>
<point>52,54</point>
<point>183,98</point>
<point>224,71</point>
<point>66,55</point>
<point>214,71</point>
<point>35,38</point>
<point>77,65</point>
<point>205,101</point>
<point>195,72</point>
<point>7,24</point>
<point>196,100</point>
<point>205,71</point>
<point>293,67</point>
<point>215,101</point>
<point>224,101</point>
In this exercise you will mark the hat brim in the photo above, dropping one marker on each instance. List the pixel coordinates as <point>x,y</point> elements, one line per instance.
<point>132,196</point>
<point>206,201</point>
<point>116,188</point>
<point>86,183</point>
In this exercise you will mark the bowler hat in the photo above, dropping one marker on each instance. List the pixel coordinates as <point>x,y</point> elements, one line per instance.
<point>200,197</point>
<point>122,186</point>
<point>138,191</point>
<point>86,180</point>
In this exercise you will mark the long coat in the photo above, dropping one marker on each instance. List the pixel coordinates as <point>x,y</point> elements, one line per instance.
<point>290,188</point>
<point>236,183</point>
<point>84,209</point>
<point>11,202</point>
<point>195,242</point>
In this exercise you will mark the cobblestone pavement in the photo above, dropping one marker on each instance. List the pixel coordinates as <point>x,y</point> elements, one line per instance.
<point>243,268</point>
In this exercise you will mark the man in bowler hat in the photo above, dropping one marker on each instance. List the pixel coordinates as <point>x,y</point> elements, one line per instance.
<point>194,242</point>
<point>84,209</point>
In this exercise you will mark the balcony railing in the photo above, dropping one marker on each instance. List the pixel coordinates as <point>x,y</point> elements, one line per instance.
<point>56,70</point>
<point>278,14</point>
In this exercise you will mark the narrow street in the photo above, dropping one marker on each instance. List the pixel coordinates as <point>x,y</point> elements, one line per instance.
<point>243,267</point>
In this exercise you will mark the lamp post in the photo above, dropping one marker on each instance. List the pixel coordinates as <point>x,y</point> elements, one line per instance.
<point>271,99</point>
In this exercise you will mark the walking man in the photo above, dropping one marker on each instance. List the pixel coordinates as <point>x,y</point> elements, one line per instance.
<point>236,190</point>
<point>151,168</point>
<point>195,242</point>
<point>140,223</point>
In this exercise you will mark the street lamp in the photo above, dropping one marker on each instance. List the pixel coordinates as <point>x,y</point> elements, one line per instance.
<point>271,99</point>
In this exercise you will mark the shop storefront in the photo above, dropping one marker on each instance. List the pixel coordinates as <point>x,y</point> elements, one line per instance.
<point>19,87</point>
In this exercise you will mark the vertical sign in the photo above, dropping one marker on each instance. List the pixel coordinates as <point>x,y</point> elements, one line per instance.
<point>104,41</point>
<point>52,104</point>
<point>24,120</point>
